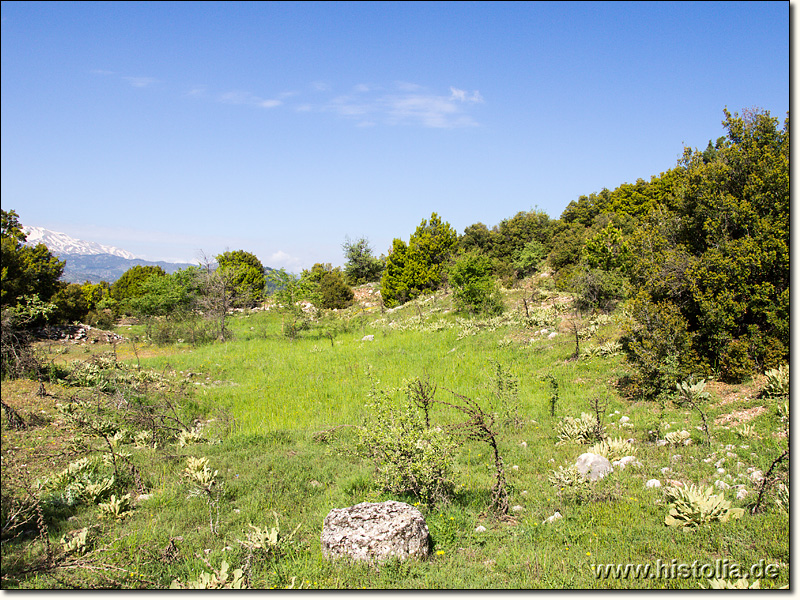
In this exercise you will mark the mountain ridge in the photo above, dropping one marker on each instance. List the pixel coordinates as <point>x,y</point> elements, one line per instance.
<point>90,261</point>
<point>61,243</point>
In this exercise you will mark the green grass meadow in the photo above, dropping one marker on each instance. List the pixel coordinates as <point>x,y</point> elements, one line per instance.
<point>282,414</point>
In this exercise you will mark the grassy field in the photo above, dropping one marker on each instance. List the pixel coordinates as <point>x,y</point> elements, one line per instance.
<point>279,421</point>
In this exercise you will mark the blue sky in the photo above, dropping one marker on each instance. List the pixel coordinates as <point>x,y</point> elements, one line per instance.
<point>281,128</point>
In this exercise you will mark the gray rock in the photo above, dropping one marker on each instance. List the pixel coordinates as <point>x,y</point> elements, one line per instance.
<point>593,466</point>
<point>373,531</point>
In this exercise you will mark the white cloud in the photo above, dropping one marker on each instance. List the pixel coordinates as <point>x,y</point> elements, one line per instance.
<point>248,99</point>
<point>461,96</point>
<point>140,82</point>
<point>282,260</point>
<point>410,104</point>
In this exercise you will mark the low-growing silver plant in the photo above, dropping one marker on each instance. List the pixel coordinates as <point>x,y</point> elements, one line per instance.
<point>75,542</point>
<point>678,438</point>
<point>613,449</point>
<point>693,506</point>
<point>217,579</point>
<point>568,477</point>
<point>582,430</point>
<point>116,508</point>
<point>777,384</point>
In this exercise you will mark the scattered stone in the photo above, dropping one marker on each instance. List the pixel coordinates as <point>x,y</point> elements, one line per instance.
<point>721,485</point>
<point>665,470</point>
<point>593,466</point>
<point>756,476</point>
<point>524,444</point>
<point>554,517</point>
<point>552,335</point>
<point>624,419</point>
<point>517,508</point>
<point>368,338</point>
<point>740,495</point>
<point>375,531</point>
<point>721,471</point>
<point>142,497</point>
<point>480,529</point>
<point>652,483</point>
<point>515,468</point>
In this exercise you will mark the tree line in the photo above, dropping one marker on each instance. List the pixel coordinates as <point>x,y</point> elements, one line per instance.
<point>698,255</point>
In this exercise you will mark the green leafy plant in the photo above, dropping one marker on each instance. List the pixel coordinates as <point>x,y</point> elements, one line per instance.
<point>738,584</point>
<point>777,383</point>
<point>410,457</point>
<point>116,508</point>
<point>692,394</point>
<point>693,506</point>
<point>678,438</point>
<point>568,477</point>
<point>216,579</point>
<point>613,449</point>
<point>204,485</point>
<point>75,542</point>
<point>582,430</point>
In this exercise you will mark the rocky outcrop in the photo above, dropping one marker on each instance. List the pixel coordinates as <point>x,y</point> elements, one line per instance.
<point>375,532</point>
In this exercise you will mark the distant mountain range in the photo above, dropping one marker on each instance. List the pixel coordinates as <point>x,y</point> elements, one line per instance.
<point>90,261</point>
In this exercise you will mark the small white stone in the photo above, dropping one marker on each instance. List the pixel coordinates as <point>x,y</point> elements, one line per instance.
<point>480,529</point>
<point>524,444</point>
<point>624,419</point>
<point>721,485</point>
<point>741,493</point>
<point>554,517</point>
<point>517,508</point>
<point>721,471</point>
<point>652,483</point>
<point>665,470</point>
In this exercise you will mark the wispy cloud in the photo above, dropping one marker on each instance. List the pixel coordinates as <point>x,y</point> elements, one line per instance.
<point>140,82</point>
<point>282,260</point>
<point>407,104</point>
<point>248,99</point>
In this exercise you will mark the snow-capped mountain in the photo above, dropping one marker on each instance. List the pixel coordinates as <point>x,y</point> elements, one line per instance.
<point>60,243</point>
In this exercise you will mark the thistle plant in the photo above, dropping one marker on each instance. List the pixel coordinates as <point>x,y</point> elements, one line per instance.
<point>582,430</point>
<point>75,542</point>
<point>116,508</point>
<point>193,436</point>
<point>692,507</point>
<point>569,478</point>
<point>777,384</point>
<point>204,485</point>
<point>678,438</point>
<point>613,449</point>
<point>692,394</point>
<point>217,579</point>
<point>739,584</point>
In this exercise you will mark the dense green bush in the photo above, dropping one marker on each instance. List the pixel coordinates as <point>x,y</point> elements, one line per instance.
<point>474,287</point>
<point>361,265</point>
<point>334,291</point>
<point>419,266</point>
<point>410,457</point>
